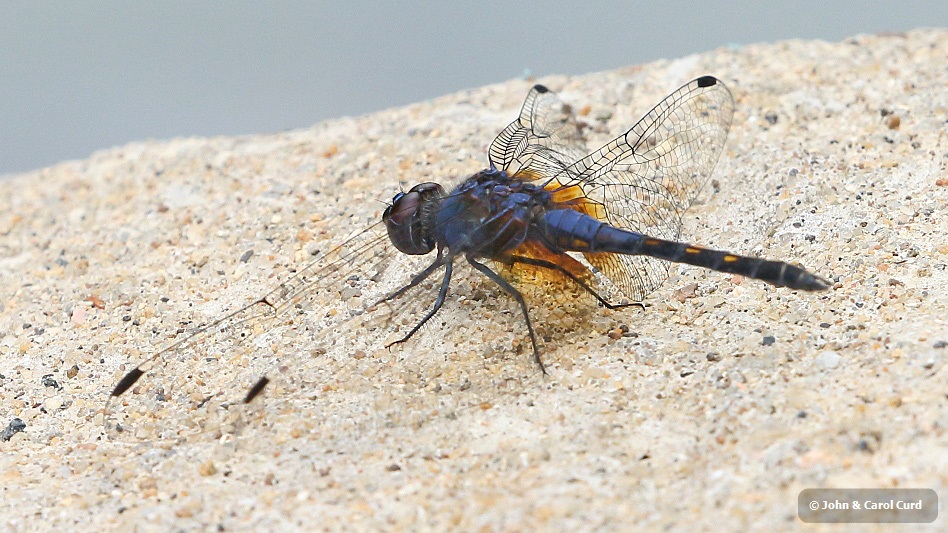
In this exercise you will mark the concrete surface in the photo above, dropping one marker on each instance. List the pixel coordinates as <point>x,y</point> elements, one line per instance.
<point>719,404</point>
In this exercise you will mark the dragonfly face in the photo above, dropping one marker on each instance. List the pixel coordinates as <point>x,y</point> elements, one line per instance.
<point>409,219</point>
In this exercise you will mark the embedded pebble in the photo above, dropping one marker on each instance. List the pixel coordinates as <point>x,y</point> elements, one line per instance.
<point>15,426</point>
<point>828,359</point>
<point>53,403</point>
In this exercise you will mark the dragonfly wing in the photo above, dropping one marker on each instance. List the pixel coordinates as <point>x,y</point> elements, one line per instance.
<point>646,178</point>
<point>542,142</point>
<point>361,264</point>
<point>359,258</point>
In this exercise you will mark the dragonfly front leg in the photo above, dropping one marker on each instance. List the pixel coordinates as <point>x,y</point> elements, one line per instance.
<point>419,277</point>
<point>445,283</point>
<point>484,269</point>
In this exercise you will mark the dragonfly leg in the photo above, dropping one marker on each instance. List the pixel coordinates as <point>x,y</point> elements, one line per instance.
<point>553,266</point>
<point>421,276</point>
<point>484,269</point>
<point>445,283</point>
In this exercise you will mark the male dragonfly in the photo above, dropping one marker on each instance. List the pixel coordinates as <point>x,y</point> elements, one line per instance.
<point>618,209</point>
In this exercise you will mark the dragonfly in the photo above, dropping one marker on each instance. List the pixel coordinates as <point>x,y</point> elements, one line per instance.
<point>606,222</point>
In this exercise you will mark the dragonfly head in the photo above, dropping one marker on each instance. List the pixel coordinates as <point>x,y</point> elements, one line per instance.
<point>410,217</point>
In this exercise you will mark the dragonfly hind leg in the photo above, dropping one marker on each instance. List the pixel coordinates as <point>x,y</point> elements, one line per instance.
<point>484,269</point>
<point>445,283</point>
<point>553,266</point>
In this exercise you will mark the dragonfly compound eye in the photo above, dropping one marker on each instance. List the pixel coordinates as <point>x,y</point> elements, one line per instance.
<point>409,218</point>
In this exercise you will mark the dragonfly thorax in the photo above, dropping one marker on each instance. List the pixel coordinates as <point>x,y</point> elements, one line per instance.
<point>488,214</point>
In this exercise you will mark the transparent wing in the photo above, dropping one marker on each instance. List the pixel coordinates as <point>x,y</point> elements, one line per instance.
<point>542,142</point>
<point>645,179</point>
<point>364,265</point>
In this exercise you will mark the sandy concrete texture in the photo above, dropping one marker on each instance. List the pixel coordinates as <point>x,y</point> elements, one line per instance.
<point>711,410</point>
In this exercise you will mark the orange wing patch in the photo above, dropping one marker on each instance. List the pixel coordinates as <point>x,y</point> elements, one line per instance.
<point>540,275</point>
<point>573,197</point>
<point>526,174</point>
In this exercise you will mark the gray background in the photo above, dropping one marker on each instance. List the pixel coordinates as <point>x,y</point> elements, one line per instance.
<point>81,77</point>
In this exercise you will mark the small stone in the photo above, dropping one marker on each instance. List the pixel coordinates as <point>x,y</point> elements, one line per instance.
<point>768,340</point>
<point>48,381</point>
<point>207,468</point>
<point>349,293</point>
<point>15,426</point>
<point>686,292</point>
<point>97,302</point>
<point>53,403</point>
<point>828,359</point>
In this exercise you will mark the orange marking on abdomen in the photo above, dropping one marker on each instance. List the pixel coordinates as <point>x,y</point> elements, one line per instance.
<point>652,242</point>
<point>730,258</point>
<point>691,250</point>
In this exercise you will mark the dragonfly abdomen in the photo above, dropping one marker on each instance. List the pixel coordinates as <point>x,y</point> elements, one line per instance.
<point>571,230</point>
<point>777,273</point>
